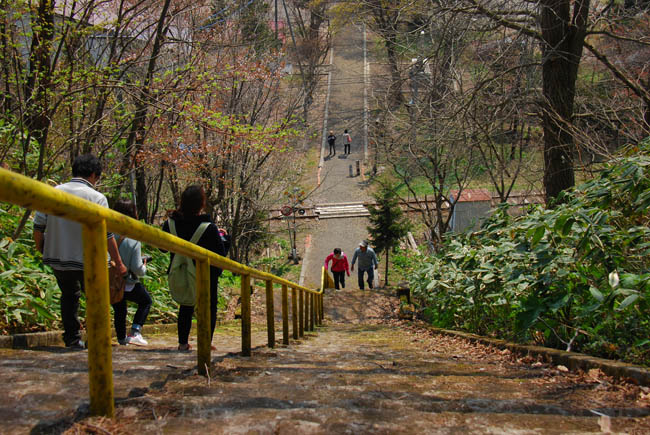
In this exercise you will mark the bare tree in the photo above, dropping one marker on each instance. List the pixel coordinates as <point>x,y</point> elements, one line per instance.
<point>564,29</point>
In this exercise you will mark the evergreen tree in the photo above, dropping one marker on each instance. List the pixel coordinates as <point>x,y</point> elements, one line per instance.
<point>387,221</point>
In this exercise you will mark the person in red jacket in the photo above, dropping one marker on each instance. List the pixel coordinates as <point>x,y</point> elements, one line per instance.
<point>339,267</point>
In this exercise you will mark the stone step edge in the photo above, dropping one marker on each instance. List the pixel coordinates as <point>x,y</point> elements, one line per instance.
<point>54,338</point>
<point>339,207</point>
<point>340,204</point>
<point>347,215</point>
<point>329,212</point>
<point>571,360</point>
<point>357,210</point>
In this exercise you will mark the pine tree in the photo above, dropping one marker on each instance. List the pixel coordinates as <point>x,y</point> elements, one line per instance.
<point>387,221</point>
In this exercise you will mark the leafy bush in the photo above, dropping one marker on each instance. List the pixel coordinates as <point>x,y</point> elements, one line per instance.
<point>29,294</point>
<point>575,276</point>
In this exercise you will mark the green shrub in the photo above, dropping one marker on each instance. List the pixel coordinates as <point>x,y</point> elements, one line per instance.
<point>575,277</point>
<point>29,294</point>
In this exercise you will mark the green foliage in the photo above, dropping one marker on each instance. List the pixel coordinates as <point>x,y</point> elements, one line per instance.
<point>22,149</point>
<point>280,264</point>
<point>29,294</point>
<point>405,263</point>
<point>387,222</point>
<point>576,276</point>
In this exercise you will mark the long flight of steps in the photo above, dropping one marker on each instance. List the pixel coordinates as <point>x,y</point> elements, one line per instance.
<point>341,210</point>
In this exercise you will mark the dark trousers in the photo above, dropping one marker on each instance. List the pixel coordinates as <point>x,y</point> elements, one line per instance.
<point>332,149</point>
<point>185,313</point>
<point>140,296</point>
<point>346,148</point>
<point>371,277</point>
<point>71,283</point>
<point>339,278</point>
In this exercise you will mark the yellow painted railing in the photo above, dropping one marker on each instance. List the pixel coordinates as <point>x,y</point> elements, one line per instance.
<point>96,221</point>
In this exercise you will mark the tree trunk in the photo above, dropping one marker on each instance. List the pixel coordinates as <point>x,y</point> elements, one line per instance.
<point>38,88</point>
<point>21,224</point>
<point>141,193</point>
<point>646,114</point>
<point>161,178</point>
<point>395,93</point>
<point>135,140</point>
<point>39,82</point>
<point>7,98</point>
<point>563,39</point>
<point>386,272</point>
<point>386,16</point>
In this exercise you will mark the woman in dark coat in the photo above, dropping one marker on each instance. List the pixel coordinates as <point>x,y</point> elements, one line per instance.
<point>187,219</point>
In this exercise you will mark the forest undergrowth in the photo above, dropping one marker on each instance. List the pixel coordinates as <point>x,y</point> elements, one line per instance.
<point>29,294</point>
<point>575,276</point>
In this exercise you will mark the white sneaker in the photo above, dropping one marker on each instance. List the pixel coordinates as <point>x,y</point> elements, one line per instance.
<point>136,339</point>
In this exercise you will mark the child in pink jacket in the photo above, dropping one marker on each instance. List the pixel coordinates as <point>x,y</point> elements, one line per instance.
<point>339,267</point>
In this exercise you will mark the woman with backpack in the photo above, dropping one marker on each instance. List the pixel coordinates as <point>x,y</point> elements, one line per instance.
<point>347,141</point>
<point>187,222</point>
<point>134,291</point>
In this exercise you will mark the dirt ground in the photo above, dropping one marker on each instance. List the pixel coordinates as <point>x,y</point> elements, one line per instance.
<point>365,371</point>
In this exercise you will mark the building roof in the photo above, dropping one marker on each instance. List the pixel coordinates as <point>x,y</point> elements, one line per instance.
<point>471,195</point>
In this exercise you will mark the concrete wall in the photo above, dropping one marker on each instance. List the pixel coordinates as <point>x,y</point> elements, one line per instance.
<point>469,214</point>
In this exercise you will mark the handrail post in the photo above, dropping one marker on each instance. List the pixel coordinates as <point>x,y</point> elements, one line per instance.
<point>98,323</point>
<point>317,298</point>
<point>203,332</point>
<point>246,315</point>
<point>285,315</point>
<point>270,314</point>
<point>322,308</point>
<point>306,311</point>
<point>301,313</point>
<point>311,311</point>
<point>316,309</point>
<point>294,312</point>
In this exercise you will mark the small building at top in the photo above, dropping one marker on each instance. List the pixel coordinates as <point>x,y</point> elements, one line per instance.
<point>472,206</point>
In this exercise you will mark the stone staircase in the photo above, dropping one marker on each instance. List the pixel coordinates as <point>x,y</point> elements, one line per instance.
<point>341,210</point>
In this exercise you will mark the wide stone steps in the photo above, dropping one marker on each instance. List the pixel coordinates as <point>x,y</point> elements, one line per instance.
<point>341,210</point>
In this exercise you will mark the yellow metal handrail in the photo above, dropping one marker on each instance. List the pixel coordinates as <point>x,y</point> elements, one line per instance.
<point>326,281</point>
<point>96,221</point>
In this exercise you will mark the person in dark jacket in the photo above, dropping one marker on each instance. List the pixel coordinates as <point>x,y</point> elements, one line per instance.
<point>331,140</point>
<point>187,219</point>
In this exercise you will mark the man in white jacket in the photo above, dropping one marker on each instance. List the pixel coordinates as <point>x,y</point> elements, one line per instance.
<point>60,242</point>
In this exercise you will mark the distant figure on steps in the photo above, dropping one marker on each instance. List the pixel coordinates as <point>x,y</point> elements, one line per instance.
<point>367,263</point>
<point>339,267</point>
<point>331,140</point>
<point>347,141</point>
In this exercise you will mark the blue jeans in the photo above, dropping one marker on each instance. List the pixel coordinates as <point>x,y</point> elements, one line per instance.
<point>371,277</point>
<point>140,296</point>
